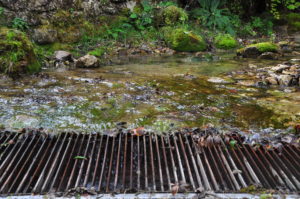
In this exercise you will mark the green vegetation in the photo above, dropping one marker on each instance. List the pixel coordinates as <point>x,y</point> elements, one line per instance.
<point>213,16</point>
<point>183,40</point>
<point>225,41</point>
<point>265,47</point>
<point>17,54</point>
<point>293,21</point>
<point>172,15</point>
<point>20,24</point>
<point>98,52</point>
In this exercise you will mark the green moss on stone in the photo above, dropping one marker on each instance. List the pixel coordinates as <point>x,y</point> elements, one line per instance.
<point>225,41</point>
<point>183,40</point>
<point>17,54</point>
<point>262,47</point>
<point>265,47</point>
<point>171,16</point>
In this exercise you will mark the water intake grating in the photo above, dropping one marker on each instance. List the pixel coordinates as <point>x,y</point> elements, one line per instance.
<point>39,163</point>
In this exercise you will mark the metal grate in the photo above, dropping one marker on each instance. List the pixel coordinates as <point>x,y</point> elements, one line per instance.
<point>39,163</point>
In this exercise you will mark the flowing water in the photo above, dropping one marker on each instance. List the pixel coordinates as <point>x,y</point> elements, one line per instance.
<point>158,93</point>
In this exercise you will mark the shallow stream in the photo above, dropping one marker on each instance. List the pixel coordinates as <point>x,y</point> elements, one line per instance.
<point>158,93</point>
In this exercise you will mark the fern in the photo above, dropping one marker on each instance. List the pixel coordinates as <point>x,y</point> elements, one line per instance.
<point>212,16</point>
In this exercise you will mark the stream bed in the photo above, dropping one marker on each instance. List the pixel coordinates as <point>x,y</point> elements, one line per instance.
<point>157,93</point>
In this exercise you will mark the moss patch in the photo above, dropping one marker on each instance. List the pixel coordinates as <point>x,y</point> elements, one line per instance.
<point>17,54</point>
<point>265,47</point>
<point>183,40</point>
<point>172,15</point>
<point>225,41</point>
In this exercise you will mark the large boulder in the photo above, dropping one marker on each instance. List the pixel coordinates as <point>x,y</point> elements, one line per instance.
<point>255,50</point>
<point>183,40</point>
<point>17,54</point>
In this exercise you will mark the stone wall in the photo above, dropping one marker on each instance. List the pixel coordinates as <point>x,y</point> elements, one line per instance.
<point>37,11</point>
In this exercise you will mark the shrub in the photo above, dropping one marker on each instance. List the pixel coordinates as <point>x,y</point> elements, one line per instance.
<point>17,53</point>
<point>183,40</point>
<point>171,16</point>
<point>225,41</point>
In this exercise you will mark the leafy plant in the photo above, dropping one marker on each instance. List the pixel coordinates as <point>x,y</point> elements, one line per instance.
<point>288,4</point>
<point>213,16</point>
<point>20,24</point>
<point>143,19</point>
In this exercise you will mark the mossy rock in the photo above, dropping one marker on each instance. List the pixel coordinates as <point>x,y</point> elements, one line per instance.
<point>225,41</point>
<point>17,54</point>
<point>183,41</point>
<point>255,50</point>
<point>171,15</point>
<point>293,20</point>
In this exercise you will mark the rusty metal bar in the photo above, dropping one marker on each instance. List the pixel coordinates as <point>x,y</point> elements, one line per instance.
<point>159,165</point>
<point>83,161</point>
<point>152,163</point>
<point>166,162</point>
<point>118,164</point>
<point>90,162</point>
<point>103,163</point>
<point>172,160</point>
<point>110,165</point>
<point>131,162</point>
<point>187,162</point>
<point>97,161</point>
<point>124,162</point>
<point>139,164</point>
<point>145,163</point>
<point>179,160</point>
<point>202,170</point>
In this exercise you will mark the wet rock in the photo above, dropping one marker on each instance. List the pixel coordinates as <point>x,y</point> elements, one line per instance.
<point>272,80</point>
<point>251,52</point>
<point>295,60</point>
<point>252,66</point>
<point>246,82</point>
<point>44,36</point>
<point>285,80</point>
<point>285,47</point>
<point>268,55</point>
<point>62,56</point>
<point>279,68</point>
<point>217,80</point>
<point>87,61</point>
